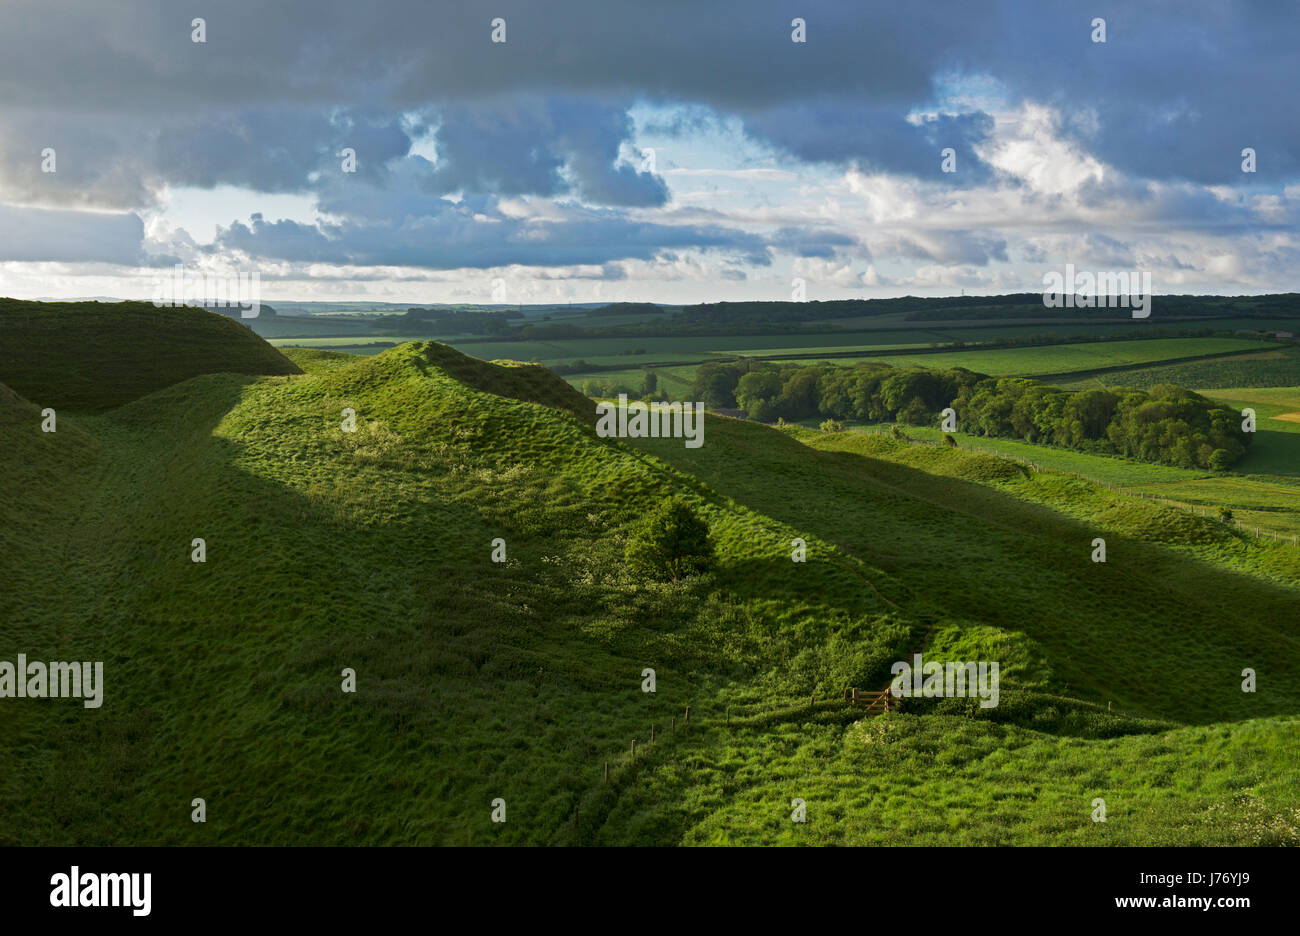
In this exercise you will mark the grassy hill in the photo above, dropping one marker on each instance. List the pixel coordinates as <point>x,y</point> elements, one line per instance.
<point>371,550</point>
<point>98,355</point>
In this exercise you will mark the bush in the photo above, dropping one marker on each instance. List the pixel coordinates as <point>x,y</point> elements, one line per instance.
<point>671,543</point>
<point>1221,460</point>
<point>832,425</point>
<point>1225,514</point>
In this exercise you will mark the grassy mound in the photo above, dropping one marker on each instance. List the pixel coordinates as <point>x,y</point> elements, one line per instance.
<point>372,550</point>
<point>92,356</point>
<point>417,361</point>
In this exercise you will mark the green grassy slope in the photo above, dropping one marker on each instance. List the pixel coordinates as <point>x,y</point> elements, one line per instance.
<point>98,355</point>
<point>1161,631</point>
<point>478,680</point>
<point>372,550</point>
<point>1267,502</point>
<point>941,779</point>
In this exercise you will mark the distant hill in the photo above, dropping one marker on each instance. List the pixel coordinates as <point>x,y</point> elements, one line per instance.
<point>94,355</point>
<point>628,308</point>
<point>235,312</point>
<point>976,308</point>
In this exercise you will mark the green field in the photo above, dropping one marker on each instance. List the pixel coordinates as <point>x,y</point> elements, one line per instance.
<point>1025,362</point>
<point>607,350</point>
<point>676,380</point>
<point>638,352</point>
<point>1053,359</point>
<point>1106,469</point>
<point>620,350</point>
<point>369,344</point>
<point>1277,412</point>
<point>309,328</point>
<point>1276,367</point>
<point>965,331</point>
<point>1268,503</point>
<point>371,550</point>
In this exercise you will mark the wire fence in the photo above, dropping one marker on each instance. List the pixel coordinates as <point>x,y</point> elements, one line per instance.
<point>1260,534</point>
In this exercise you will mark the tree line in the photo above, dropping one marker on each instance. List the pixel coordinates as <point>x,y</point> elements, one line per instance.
<point>1164,423</point>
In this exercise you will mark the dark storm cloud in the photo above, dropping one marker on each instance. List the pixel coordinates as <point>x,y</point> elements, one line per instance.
<point>122,162</point>
<point>1178,88</point>
<point>831,130</point>
<point>232,149</point>
<point>523,145</point>
<point>732,53</point>
<point>133,105</point>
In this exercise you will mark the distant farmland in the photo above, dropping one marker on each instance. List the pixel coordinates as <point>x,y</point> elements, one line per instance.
<point>1059,359</point>
<point>1277,443</point>
<point>1271,367</point>
<point>1082,357</point>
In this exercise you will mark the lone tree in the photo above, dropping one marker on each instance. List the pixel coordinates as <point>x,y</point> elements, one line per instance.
<point>672,542</point>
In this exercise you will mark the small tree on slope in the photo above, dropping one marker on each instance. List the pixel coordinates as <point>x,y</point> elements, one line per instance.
<point>672,542</point>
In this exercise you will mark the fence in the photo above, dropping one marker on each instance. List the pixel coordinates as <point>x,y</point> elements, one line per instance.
<point>1198,509</point>
<point>877,703</point>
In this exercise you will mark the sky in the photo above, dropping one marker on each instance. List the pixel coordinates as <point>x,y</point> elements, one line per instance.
<point>676,151</point>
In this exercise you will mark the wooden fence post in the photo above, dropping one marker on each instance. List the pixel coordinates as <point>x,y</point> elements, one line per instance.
<point>634,749</point>
<point>607,771</point>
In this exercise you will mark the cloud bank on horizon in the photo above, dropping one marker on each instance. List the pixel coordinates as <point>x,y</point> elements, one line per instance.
<point>599,150</point>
